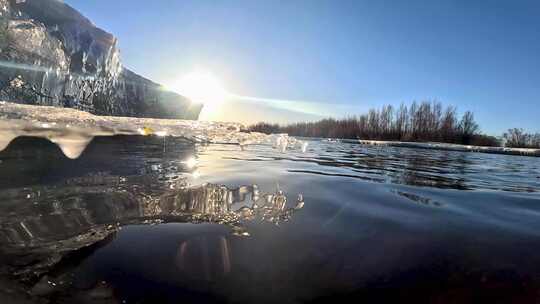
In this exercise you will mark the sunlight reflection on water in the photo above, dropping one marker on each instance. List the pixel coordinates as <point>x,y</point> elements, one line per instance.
<point>131,221</point>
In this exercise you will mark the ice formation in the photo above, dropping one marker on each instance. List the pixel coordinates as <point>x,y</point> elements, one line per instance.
<point>72,130</point>
<point>50,54</point>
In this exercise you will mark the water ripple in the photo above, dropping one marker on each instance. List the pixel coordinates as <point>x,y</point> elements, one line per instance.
<point>411,166</point>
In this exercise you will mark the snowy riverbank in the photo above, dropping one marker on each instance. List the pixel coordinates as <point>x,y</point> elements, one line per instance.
<point>454,147</point>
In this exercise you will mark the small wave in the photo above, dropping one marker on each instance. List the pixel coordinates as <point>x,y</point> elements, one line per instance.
<point>418,198</point>
<point>337,175</point>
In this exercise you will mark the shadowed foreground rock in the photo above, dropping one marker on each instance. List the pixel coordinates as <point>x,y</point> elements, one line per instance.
<point>52,55</point>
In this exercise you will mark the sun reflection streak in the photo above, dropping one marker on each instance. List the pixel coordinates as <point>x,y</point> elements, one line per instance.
<point>190,162</point>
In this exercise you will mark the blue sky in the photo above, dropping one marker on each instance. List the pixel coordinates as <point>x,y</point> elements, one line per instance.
<point>346,56</point>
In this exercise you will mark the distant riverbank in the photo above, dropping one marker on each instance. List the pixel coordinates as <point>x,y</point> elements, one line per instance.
<point>453,147</point>
<point>418,122</point>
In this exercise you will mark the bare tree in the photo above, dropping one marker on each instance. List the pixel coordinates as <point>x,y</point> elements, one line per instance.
<point>517,138</point>
<point>468,127</point>
<point>418,122</point>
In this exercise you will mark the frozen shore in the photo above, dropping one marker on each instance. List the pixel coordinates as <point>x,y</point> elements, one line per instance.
<point>72,130</point>
<point>454,147</point>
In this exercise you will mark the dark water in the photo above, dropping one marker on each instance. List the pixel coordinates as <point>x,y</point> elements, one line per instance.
<point>134,220</point>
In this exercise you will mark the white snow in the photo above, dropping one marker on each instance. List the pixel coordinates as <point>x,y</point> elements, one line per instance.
<point>454,147</point>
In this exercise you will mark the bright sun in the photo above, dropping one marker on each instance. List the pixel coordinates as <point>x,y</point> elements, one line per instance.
<point>201,87</point>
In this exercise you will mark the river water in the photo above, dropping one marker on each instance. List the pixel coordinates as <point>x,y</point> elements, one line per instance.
<point>161,220</point>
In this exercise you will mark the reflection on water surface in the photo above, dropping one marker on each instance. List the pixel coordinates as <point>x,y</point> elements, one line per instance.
<point>144,220</point>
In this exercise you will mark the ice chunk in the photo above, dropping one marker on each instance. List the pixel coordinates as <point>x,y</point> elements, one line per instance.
<point>73,130</point>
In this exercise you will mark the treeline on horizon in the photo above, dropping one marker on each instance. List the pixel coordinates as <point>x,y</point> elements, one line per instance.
<point>418,122</point>
<point>517,138</point>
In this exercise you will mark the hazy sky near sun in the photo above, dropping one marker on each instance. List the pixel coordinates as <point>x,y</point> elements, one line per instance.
<point>345,56</point>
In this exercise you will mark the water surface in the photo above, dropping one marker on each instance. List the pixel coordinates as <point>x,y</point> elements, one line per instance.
<point>157,220</point>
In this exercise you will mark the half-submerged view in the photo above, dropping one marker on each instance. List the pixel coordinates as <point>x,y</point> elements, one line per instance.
<point>273,152</point>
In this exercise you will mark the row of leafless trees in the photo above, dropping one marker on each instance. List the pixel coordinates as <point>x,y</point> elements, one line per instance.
<point>426,121</point>
<point>517,138</point>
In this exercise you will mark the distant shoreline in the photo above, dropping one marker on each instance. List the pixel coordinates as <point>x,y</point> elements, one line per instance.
<point>451,147</point>
<point>417,122</point>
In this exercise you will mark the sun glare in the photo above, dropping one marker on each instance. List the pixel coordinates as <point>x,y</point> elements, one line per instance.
<point>201,87</point>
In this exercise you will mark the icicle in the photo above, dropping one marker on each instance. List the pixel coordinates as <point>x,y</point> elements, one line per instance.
<point>5,138</point>
<point>72,145</point>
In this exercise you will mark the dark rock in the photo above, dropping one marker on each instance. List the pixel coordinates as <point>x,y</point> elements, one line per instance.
<point>52,55</point>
